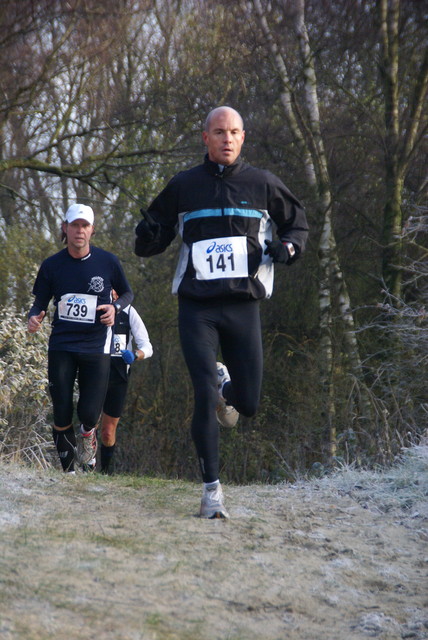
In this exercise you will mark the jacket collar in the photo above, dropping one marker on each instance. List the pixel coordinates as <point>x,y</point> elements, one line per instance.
<point>214,168</point>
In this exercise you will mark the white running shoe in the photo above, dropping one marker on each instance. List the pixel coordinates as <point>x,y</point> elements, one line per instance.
<point>212,503</point>
<point>227,415</point>
<point>87,447</point>
<point>90,466</point>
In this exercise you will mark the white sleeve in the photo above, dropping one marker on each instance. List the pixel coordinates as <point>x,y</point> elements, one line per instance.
<point>139,334</point>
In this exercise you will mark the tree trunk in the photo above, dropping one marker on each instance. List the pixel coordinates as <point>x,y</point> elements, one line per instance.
<point>309,140</point>
<point>402,135</point>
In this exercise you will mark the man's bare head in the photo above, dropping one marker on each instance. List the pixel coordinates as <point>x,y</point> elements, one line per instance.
<point>223,135</point>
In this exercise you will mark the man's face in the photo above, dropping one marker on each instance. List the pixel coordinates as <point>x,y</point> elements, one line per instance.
<point>225,137</point>
<point>78,234</point>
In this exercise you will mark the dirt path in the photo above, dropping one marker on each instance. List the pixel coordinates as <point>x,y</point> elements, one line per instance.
<point>125,558</point>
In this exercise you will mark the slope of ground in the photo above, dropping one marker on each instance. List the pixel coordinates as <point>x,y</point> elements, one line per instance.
<point>343,557</point>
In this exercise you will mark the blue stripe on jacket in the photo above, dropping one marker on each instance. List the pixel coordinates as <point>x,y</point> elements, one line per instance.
<point>229,211</point>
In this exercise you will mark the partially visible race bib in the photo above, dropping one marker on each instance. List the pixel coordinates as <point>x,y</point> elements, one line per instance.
<point>119,343</point>
<point>78,307</point>
<point>220,258</point>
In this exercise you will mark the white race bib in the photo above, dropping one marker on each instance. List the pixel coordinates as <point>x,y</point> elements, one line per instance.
<point>78,307</point>
<point>220,258</point>
<point>119,343</point>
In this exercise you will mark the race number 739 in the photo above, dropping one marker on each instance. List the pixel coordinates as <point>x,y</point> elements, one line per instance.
<point>220,258</point>
<point>78,307</point>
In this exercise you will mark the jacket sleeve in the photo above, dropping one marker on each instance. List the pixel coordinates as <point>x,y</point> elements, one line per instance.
<point>163,211</point>
<point>288,214</point>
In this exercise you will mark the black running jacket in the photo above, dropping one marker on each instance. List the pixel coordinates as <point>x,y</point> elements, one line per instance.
<point>224,215</point>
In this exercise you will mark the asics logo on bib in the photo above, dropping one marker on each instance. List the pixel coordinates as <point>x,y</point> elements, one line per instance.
<point>76,300</point>
<point>219,248</point>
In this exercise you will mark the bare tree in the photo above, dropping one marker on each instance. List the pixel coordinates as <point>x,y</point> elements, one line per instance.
<point>80,91</point>
<point>303,119</point>
<point>406,120</point>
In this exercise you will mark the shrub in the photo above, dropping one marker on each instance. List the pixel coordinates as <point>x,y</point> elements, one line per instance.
<point>24,399</point>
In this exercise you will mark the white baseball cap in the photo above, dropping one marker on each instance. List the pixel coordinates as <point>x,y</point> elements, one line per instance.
<point>79,212</point>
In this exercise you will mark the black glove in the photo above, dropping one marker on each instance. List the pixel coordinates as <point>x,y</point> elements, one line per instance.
<point>277,251</point>
<point>147,230</point>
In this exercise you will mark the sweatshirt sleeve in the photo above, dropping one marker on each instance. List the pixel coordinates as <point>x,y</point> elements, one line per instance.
<point>42,292</point>
<point>122,286</point>
<point>139,334</point>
